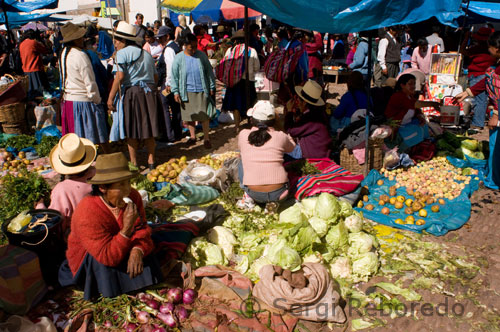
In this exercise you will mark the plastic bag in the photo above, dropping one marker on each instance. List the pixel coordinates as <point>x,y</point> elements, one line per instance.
<point>226,117</point>
<point>391,158</point>
<point>47,131</point>
<point>21,324</point>
<point>203,175</point>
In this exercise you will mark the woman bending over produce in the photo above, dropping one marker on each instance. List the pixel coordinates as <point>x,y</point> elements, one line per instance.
<point>110,242</point>
<point>71,157</point>
<point>262,148</point>
<point>404,110</point>
<point>490,84</point>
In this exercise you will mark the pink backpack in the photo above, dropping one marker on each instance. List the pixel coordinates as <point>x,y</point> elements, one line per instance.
<point>231,68</point>
<point>282,63</point>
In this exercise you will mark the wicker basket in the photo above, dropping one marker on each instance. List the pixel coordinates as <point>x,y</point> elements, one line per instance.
<point>13,113</point>
<point>15,128</point>
<point>375,158</point>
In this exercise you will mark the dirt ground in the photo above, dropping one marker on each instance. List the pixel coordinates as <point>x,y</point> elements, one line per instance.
<point>480,237</point>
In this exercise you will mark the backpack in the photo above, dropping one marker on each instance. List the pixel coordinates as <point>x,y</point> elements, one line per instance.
<point>182,35</point>
<point>231,68</point>
<point>282,63</point>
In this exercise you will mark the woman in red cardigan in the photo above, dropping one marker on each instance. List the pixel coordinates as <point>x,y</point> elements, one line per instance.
<point>110,242</point>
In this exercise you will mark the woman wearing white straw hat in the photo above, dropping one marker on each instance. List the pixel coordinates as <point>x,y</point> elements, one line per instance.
<point>307,123</point>
<point>136,74</point>
<point>261,171</point>
<point>72,157</point>
<point>81,111</point>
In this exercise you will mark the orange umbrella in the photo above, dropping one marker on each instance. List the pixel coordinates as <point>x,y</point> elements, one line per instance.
<point>234,11</point>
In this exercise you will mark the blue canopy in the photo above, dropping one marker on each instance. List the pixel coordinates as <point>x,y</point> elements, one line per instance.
<point>485,11</point>
<point>343,16</point>
<point>17,19</point>
<point>28,6</point>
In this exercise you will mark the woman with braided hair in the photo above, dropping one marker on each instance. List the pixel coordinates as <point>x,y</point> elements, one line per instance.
<point>81,110</point>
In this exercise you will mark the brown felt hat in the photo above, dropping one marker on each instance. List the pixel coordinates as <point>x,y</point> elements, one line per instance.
<point>71,32</point>
<point>111,168</point>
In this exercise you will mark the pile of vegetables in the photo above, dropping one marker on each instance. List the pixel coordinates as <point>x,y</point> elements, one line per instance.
<point>19,193</point>
<point>436,178</point>
<point>46,144</point>
<point>20,142</point>
<point>301,167</point>
<point>154,310</point>
<point>321,229</point>
<point>459,146</point>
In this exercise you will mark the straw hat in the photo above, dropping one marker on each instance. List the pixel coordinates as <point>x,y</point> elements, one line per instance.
<point>311,93</point>
<point>72,155</point>
<point>71,32</point>
<point>111,168</point>
<point>127,31</point>
<point>221,28</point>
<point>263,110</point>
<point>240,34</point>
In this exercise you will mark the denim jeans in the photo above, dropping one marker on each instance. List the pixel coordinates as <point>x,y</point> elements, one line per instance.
<point>261,197</point>
<point>480,103</point>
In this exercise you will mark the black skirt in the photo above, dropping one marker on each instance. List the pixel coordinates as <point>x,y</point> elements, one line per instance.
<point>236,96</point>
<point>96,278</point>
<point>141,112</point>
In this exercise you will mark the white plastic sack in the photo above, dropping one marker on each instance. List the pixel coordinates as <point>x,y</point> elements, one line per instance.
<point>20,324</point>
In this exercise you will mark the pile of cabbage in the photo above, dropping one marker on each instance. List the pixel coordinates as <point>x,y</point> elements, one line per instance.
<point>321,229</point>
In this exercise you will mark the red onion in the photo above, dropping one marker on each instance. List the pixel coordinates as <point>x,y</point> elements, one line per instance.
<point>163,291</point>
<point>144,297</point>
<point>159,329</point>
<point>130,327</point>
<point>167,319</point>
<point>153,304</point>
<point>174,295</point>
<point>181,313</point>
<point>142,317</point>
<point>146,328</point>
<point>165,308</point>
<point>188,296</point>
<point>108,324</point>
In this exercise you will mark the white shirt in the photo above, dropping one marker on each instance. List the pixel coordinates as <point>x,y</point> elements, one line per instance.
<point>169,55</point>
<point>382,49</point>
<point>434,39</point>
<point>156,50</point>
<point>79,78</point>
<point>253,63</point>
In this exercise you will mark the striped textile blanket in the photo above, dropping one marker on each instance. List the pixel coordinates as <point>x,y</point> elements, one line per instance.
<point>333,179</point>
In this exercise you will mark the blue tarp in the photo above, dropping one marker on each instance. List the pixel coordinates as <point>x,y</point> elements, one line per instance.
<point>452,215</point>
<point>486,11</point>
<point>17,19</point>
<point>344,16</point>
<point>28,6</point>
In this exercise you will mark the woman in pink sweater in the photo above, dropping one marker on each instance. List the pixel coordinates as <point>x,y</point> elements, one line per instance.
<point>262,174</point>
<point>72,157</point>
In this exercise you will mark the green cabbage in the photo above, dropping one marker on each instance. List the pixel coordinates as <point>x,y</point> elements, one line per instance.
<point>308,205</point>
<point>256,266</point>
<point>304,239</point>
<point>337,236</point>
<point>242,263</point>
<point>479,155</point>
<point>365,265</point>
<point>354,223</point>
<point>327,207</point>
<point>341,268</point>
<point>249,241</point>
<point>313,257</point>
<point>359,243</point>
<point>470,144</point>
<point>292,215</point>
<point>467,152</point>
<point>319,225</point>
<point>345,208</point>
<point>202,253</point>
<point>224,238</point>
<point>282,255</point>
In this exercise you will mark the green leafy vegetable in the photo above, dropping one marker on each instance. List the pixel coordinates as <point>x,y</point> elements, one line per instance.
<point>46,144</point>
<point>224,238</point>
<point>341,268</point>
<point>292,215</point>
<point>327,207</point>
<point>470,144</point>
<point>304,239</point>
<point>319,225</point>
<point>359,243</point>
<point>282,255</point>
<point>337,236</point>
<point>365,265</point>
<point>20,142</point>
<point>354,223</point>
<point>408,294</point>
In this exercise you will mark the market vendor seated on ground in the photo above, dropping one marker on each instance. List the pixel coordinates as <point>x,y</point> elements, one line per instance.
<point>354,99</point>
<point>110,245</point>
<point>72,157</point>
<point>306,123</point>
<point>261,171</point>
<point>403,110</point>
